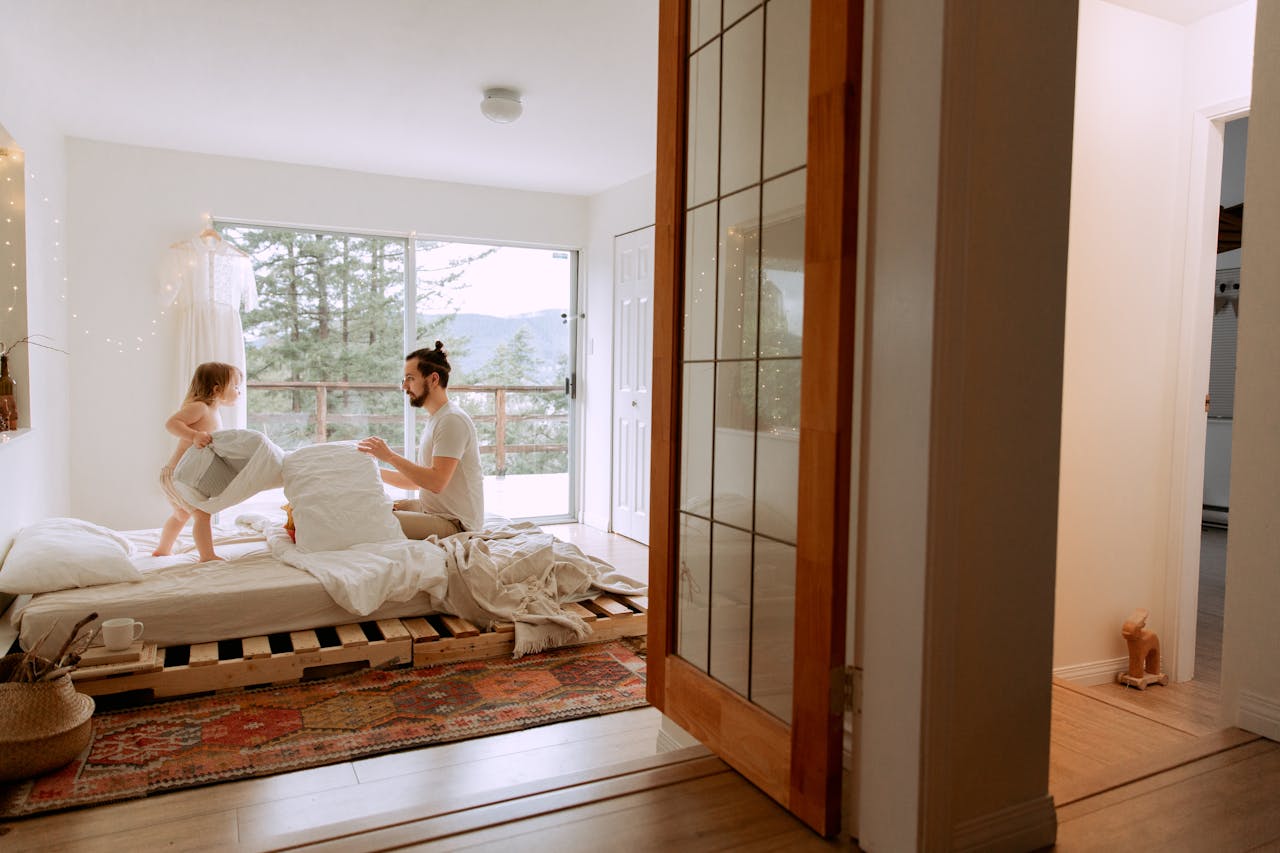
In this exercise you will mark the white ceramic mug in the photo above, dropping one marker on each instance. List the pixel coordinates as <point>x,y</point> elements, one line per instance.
<point>120,634</point>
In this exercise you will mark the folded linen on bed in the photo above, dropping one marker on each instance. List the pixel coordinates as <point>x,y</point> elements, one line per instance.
<point>518,573</point>
<point>235,466</point>
<point>364,577</point>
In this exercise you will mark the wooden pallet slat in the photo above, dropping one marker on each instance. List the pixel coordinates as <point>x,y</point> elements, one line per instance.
<point>304,641</point>
<point>255,648</point>
<point>504,627</point>
<point>420,630</point>
<point>203,654</point>
<point>393,629</point>
<point>585,614</point>
<point>351,635</point>
<point>639,602</point>
<point>611,606</point>
<point>459,627</point>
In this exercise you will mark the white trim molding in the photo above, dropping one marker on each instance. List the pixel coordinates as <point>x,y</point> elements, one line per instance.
<point>1259,714</point>
<point>1025,826</point>
<point>1088,674</point>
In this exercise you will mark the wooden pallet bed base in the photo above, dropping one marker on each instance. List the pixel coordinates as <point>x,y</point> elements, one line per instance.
<point>284,658</point>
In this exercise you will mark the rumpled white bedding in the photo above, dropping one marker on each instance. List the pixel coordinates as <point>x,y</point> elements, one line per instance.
<point>507,572</point>
<point>516,573</point>
<point>364,577</point>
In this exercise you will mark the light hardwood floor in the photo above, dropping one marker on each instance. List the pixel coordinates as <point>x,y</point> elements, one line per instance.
<point>1131,770</point>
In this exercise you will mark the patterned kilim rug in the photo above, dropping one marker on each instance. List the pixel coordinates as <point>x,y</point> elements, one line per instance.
<point>260,731</point>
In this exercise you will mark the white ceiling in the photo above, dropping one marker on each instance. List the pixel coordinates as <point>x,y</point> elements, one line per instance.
<point>1178,11</point>
<point>383,86</point>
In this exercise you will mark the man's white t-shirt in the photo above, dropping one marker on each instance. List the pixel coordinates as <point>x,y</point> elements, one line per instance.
<point>450,432</point>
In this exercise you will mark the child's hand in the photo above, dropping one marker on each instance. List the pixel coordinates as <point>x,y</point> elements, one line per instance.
<point>202,439</point>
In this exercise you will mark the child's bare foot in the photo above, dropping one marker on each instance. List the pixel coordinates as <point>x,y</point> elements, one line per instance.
<point>213,558</point>
<point>161,553</point>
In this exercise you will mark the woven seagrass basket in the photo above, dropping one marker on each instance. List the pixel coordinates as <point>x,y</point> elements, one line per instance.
<point>43,725</point>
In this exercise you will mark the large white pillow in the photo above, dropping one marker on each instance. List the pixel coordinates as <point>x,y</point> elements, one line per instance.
<point>61,553</point>
<point>337,498</point>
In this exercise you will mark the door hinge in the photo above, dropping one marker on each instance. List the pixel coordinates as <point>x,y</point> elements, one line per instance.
<point>853,690</point>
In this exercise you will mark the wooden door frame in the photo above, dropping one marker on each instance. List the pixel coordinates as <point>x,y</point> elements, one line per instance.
<point>798,765</point>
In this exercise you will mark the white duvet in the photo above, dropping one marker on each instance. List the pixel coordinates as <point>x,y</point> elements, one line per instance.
<point>363,578</point>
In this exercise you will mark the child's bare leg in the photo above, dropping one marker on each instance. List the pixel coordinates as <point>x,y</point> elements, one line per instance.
<point>202,532</point>
<point>169,533</point>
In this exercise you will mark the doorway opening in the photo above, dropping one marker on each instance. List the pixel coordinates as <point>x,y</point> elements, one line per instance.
<point>1219,408</point>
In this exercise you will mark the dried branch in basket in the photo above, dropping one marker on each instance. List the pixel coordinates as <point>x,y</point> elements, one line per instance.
<point>73,636</point>
<point>33,667</point>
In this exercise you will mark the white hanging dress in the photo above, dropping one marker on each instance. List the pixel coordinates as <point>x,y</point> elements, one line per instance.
<point>207,280</point>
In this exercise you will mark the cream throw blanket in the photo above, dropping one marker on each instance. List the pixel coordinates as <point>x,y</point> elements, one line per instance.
<point>517,573</point>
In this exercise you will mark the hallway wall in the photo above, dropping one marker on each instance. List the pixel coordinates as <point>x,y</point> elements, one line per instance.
<point>1129,329</point>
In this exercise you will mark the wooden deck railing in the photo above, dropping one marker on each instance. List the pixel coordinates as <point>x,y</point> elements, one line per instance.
<point>500,448</point>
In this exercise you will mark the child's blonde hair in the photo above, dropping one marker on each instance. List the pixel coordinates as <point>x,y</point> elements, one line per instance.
<point>211,379</point>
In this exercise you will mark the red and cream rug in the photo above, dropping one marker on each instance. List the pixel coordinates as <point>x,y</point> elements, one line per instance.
<point>261,731</point>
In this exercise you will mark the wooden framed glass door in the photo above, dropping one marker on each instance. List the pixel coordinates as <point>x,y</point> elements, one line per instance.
<point>755,259</point>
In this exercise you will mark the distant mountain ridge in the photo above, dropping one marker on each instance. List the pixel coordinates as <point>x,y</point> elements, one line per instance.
<point>484,333</point>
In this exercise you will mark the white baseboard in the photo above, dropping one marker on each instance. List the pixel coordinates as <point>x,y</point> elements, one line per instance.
<point>1087,674</point>
<point>1259,714</point>
<point>1025,826</point>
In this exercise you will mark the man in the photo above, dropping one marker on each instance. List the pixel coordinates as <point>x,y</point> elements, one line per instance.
<point>447,474</point>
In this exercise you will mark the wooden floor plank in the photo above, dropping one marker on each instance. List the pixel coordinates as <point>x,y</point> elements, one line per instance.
<point>178,809</point>
<point>413,790</point>
<point>1234,806</point>
<point>715,812</point>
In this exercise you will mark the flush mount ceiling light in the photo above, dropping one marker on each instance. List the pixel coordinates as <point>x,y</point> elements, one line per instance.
<point>501,105</point>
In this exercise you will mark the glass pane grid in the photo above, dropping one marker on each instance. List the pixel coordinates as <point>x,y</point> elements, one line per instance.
<point>739,450</point>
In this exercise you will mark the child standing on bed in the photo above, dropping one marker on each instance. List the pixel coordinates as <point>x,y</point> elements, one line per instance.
<point>214,384</point>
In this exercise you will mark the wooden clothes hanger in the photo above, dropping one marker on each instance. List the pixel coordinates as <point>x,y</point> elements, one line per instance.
<point>207,233</point>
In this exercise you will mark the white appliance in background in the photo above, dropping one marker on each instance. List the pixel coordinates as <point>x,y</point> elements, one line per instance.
<point>1222,385</point>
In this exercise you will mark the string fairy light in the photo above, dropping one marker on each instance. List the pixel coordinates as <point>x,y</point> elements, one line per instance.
<point>15,207</point>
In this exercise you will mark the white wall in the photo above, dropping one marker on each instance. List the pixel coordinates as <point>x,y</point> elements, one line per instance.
<point>34,469</point>
<point>624,208</point>
<point>1131,329</point>
<point>127,204</point>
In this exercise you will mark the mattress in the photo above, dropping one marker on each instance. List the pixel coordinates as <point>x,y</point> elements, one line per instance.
<point>182,601</point>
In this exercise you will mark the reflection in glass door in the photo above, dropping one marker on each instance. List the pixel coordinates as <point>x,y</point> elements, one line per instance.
<point>743,311</point>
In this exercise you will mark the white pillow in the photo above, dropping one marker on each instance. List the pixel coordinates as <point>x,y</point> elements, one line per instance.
<point>61,553</point>
<point>337,498</point>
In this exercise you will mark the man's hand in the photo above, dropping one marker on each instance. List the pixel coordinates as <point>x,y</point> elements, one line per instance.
<point>377,448</point>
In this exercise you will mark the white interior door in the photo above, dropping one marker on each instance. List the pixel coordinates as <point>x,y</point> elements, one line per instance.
<point>632,378</point>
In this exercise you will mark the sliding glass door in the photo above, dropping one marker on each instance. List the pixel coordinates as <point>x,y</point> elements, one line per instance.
<point>338,311</point>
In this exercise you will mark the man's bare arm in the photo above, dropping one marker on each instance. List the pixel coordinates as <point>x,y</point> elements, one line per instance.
<point>433,478</point>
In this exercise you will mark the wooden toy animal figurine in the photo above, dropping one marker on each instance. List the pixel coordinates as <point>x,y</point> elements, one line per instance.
<point>1144,653</point>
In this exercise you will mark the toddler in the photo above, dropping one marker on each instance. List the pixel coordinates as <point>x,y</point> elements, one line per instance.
<point>214,384</point>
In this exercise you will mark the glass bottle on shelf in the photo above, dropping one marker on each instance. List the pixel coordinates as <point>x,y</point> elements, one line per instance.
<point>8,403</point>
